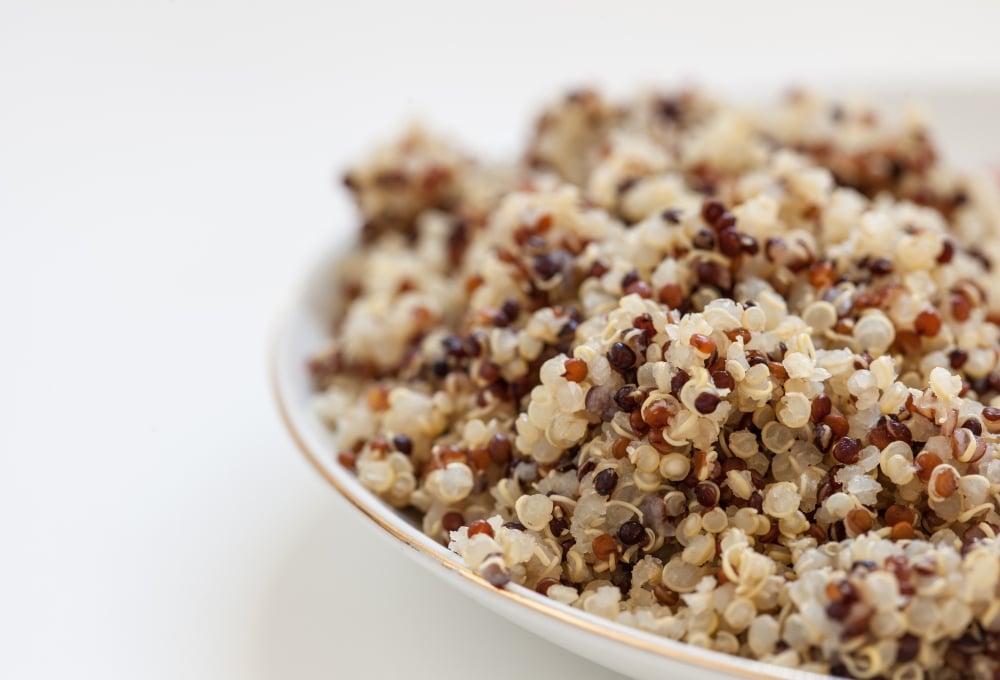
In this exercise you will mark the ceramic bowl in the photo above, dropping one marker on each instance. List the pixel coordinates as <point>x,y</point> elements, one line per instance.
<point>960,119</point>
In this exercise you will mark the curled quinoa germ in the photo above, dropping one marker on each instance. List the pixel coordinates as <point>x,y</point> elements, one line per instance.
<point>729,377</point>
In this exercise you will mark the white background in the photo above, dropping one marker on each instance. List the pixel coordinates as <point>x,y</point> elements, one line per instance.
<point>166,173</point>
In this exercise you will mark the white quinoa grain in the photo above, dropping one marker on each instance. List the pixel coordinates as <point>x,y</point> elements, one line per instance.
<point>781,499</point>
<point>675,466</point>
<point>534,511</point>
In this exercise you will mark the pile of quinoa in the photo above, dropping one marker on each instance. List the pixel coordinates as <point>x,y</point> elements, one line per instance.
<point>726,376</point>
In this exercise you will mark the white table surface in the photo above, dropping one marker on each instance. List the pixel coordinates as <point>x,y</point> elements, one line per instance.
<point>166,171</point>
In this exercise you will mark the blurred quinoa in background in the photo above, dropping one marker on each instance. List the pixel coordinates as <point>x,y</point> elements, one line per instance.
<point>724,376</point>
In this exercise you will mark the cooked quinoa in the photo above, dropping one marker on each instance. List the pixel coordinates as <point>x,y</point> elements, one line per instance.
<point>729,377</point>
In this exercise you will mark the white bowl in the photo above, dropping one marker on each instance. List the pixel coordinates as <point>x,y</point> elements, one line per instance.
<point>627,650</point>
<point>961,119</point>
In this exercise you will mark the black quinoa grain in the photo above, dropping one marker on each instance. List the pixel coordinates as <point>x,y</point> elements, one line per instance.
<point>947,252</point>
<point>711,211</point>
<point>600,402</point>
<point>838,609</point>
<point>631,532</point>
<point>897,431</point>
<point>629,398</point>
<point>826,489</point>
<point>723,380</point>
<point>707,493</point>
<point>403,444</point>
<point>909,648</point>
<point>606,481</point>
<point>725,221</point>
<point>749,243</point>
<point>473,348</point>
<point>585,469</point>
<point>671,215</point>
<point>547,265</point>
<point>730,243</point>
<point>568,329</point>
<point>678,381</point>
<point>880,267</point>
<point>957,358</point>
<point>713,274</point>
<point>631,276</point>
<point>511,309</point>
<point>500,320</point>
<point>621,356</point>
<point>973,426</point>
<point>454,346</point>
<point>706,402</point>
<point>703,240</point>
<point>499,448</point>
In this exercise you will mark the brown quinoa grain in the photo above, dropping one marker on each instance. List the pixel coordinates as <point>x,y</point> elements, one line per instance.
<point>902,531</point>
<point>703,343</point>
<point>821,407</point>
<point>928,323</point>
<point>658,413</point>
<point>926,461</point>
<point>620,448</point>
<point>961,308</point>
<point>858,521</point>
<point>847,450</point>
<point>452,521</point>
<point>665,596</point>
<point>671,295</point>
<point>897,513</point>
<point>543,586</point>
<point>499,449</point>
<point>605,546</point>
<point>480,526</point>
<point>575,370</point>
<point>945,479</point>
<point>838,424</point>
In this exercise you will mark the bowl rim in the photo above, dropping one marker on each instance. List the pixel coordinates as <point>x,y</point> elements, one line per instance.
<point>377,511</point>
